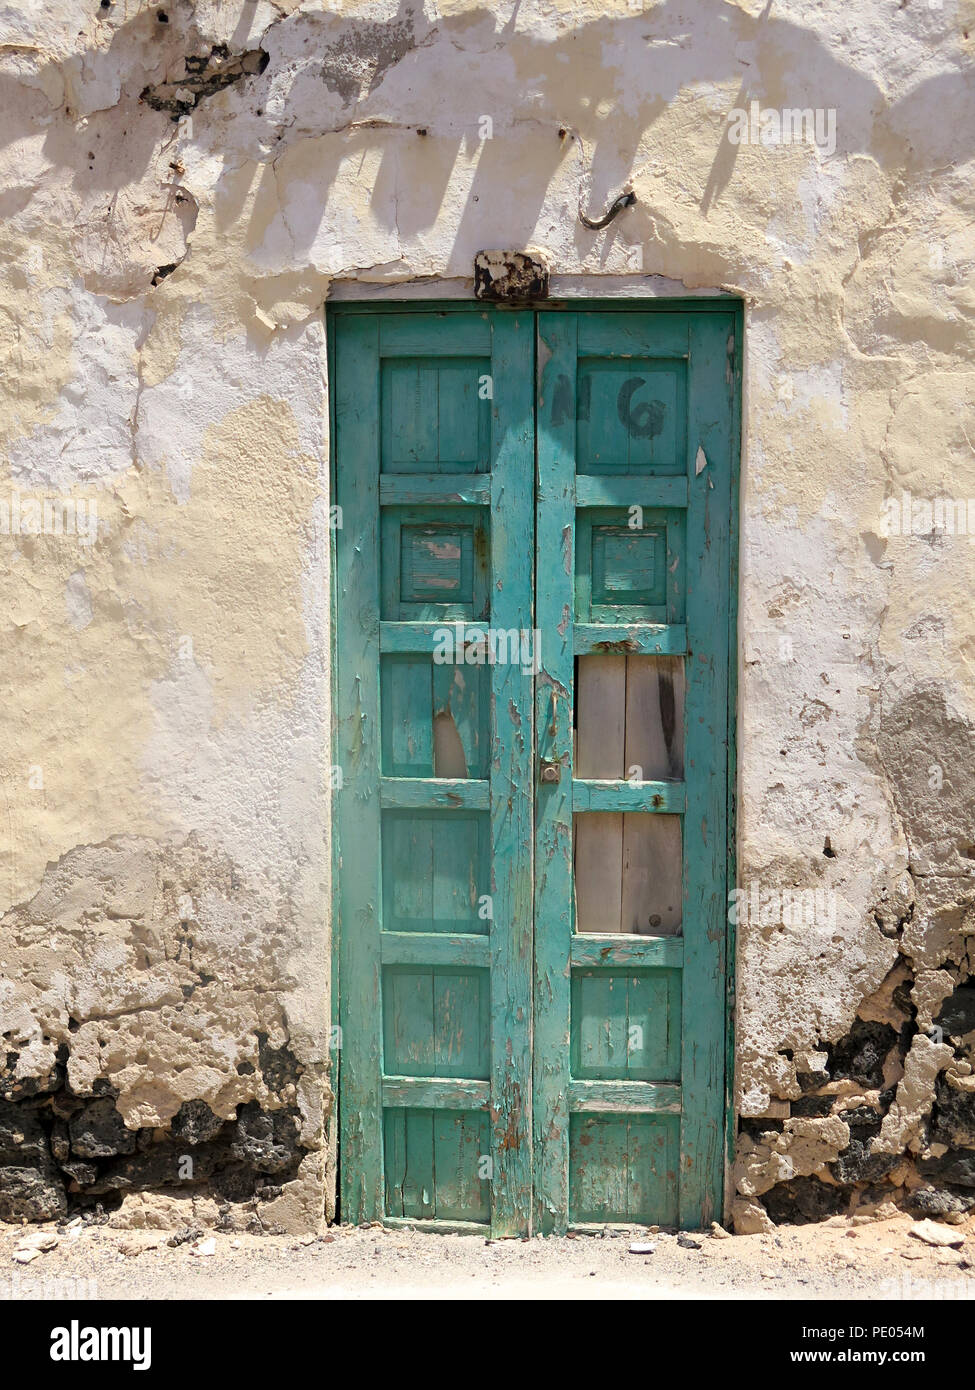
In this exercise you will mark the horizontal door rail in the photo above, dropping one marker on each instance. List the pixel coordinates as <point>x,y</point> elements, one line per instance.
<point>626,1097</point>
<point>432,335</point>
<point>433,1093</point>
<point>439,1225</point>
<point>590,794</point>
<point>434,489</point>
<point>434,948</point>
<point>423,637</point>
<point>630,490</point>
<point>434,793</point>
<point>592,948</point>
<point>650,639</point>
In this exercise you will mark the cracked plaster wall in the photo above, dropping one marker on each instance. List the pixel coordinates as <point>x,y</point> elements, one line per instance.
<point>181,183</point>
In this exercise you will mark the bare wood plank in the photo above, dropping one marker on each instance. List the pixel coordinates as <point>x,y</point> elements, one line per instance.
<point>598,871</point>
<point>652,876</point>
<point>512,556</point>
<point>600,721</point>
<point>601,716</point>
<point>448,751</point>
<point>655,718</point>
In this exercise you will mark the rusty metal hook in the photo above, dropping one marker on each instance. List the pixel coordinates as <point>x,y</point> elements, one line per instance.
<point>625,200</point>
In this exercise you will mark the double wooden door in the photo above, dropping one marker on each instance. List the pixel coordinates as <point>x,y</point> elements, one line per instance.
<point>534,563</point>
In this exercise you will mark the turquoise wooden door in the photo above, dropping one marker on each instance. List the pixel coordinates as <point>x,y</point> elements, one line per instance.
<point>532,604</point>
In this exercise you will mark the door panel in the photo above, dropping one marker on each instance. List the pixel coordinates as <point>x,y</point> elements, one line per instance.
<point>532,684</point>
<point>633,508</point>
<point>434,437</point>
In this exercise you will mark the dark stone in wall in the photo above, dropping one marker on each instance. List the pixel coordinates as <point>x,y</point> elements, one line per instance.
<point>938,1203</point>
<point>813,1107</point>
<point>235,1159</point>
<point>205,74</point>
<point>98,1131</point>
<point>278,1065</point>
<point>856,1164</point>
<point>860,1055</point>
<point>953,1117</point>
<point>804,1200</point>
<point>265,1139</point>
<point>957,1015</point>
<point>31,1194</point>
<point>195,1123</point>
<point>23,1140</point>
<point>58,1151</point>
<point>81,1173</point>
<point>956,1169</point>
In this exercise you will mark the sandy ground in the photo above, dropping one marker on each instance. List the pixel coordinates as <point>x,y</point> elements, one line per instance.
<point>838,1259</point>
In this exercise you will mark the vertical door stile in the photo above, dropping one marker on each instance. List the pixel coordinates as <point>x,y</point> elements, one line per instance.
<point>512,761</point>
<point>360,866</point>
<point>555,532</point>
<point>709,430</point>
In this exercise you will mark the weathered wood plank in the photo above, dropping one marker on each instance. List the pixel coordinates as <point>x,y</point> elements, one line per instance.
<point>438,1226</point>
<point>407,716</point>
<point>461,695</point>
<point>624,1168</point>
<point>653,334</point>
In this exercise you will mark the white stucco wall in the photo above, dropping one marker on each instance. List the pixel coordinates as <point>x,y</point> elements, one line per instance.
<point>175,208</point>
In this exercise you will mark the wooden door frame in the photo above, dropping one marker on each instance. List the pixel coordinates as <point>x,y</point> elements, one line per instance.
<point>415,300</point>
